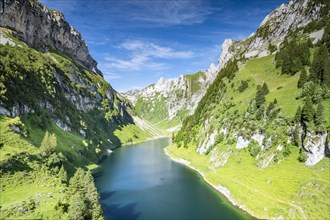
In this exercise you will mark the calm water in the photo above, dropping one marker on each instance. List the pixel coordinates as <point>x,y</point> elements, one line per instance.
<point>141,182</point>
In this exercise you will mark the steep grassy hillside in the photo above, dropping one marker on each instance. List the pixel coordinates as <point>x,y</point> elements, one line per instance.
<point>263,133</point>
<point>48,92</point>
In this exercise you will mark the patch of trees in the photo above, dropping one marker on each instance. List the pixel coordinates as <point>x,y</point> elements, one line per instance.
<point>83,197</point>
<point>213,95</point>
<point>262,91</point>
<point>292,57</point>
<point>243,85</point>
<point>320,68</point>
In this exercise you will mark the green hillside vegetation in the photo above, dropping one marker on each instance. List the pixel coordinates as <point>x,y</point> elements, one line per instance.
<point>37,158</point>
<point>279,96</point>
<point>34,181</point>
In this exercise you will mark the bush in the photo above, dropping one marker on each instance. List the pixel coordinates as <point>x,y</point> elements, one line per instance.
<point>286,151</point>
<point>302,155</point>
<point>244,85</point>
<point>254,148</point>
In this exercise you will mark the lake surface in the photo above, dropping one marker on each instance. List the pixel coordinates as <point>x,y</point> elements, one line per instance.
<point>142,182</point>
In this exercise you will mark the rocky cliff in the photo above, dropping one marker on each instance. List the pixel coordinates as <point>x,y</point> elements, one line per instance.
<point>276,26</point>
<point>45,30</point>
<point>178,97</point>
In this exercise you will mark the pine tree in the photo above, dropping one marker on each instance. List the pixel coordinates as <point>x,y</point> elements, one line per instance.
<point>271,106</point>
<point>93,206</point>
<point>326,73</point>
<point>48,144</point>
<point>319,115</point>
<point>260,96</point>
<point>82,184</point>
<point>318,64</point>
<point>307,111</point>
<point>62,174</point>
<point>260,113</point>
<point>265,89</point>
<point>298,115</point>
<point>77,208</point>
<point>296,136</point>
<point>303,78</point>
<point>326,36</point>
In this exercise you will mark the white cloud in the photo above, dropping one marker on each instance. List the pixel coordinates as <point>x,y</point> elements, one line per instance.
<point>152,50</point>
<point>144,55</point>
<point>171,12</point>
<point>137,62</point>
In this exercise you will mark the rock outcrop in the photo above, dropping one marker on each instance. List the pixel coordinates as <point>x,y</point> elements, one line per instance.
<point>272,30</point>
<point>45,30</point>
<point>181,94</point>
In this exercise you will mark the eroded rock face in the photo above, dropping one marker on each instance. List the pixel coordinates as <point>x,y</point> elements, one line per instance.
<point>316,146</point>
<point>273,30</point>
<point>45,29</point>
<point>178,92</point>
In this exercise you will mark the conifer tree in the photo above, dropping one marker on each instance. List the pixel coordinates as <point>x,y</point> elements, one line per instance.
<point>308,110</point>
<point>82,184</point>
<point>319,117</point>
<point>303,78</point>
<point>260,96</point>
<point>318,64</point>
<point>265,89</point>
<point>271,106</point>
<point>296,137</point>
<point>62,174</point>
<point>48,144</point>
<point>326,73</point>
<point>298,115</point>
<point>77,208</point>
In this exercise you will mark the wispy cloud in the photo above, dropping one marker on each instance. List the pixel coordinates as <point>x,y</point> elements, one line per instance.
<point>171,12</point>
<point>153,50</point>
<point>144,55</point>
<point>137,62</point>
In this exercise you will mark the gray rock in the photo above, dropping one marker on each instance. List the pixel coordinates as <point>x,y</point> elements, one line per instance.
<point>42,29</point>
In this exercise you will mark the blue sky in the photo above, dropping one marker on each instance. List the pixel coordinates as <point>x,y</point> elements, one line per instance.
<point>136,42</point>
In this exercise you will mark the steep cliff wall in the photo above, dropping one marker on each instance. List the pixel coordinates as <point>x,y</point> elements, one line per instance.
<point>45,30</point>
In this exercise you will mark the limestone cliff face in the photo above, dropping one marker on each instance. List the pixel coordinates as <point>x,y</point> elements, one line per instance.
<point>272,30</point>
<point>181,94</point>
<point>45,29</point>
<point>62,82</point>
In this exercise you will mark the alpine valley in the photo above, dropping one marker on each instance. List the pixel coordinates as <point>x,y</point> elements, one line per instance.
<point>255,125</point>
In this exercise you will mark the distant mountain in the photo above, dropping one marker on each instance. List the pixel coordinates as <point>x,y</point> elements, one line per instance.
<point>169,101</point>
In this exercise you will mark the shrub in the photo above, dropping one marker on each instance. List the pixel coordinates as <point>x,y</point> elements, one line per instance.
<point>302,156</point>
<point>254,148</point>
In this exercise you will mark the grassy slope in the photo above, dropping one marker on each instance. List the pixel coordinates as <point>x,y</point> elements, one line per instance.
<point>279,189</point>
<point>25,177</point>
<point>31,180</point>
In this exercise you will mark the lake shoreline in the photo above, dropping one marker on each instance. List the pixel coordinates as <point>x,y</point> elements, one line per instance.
<point>223,190</point>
